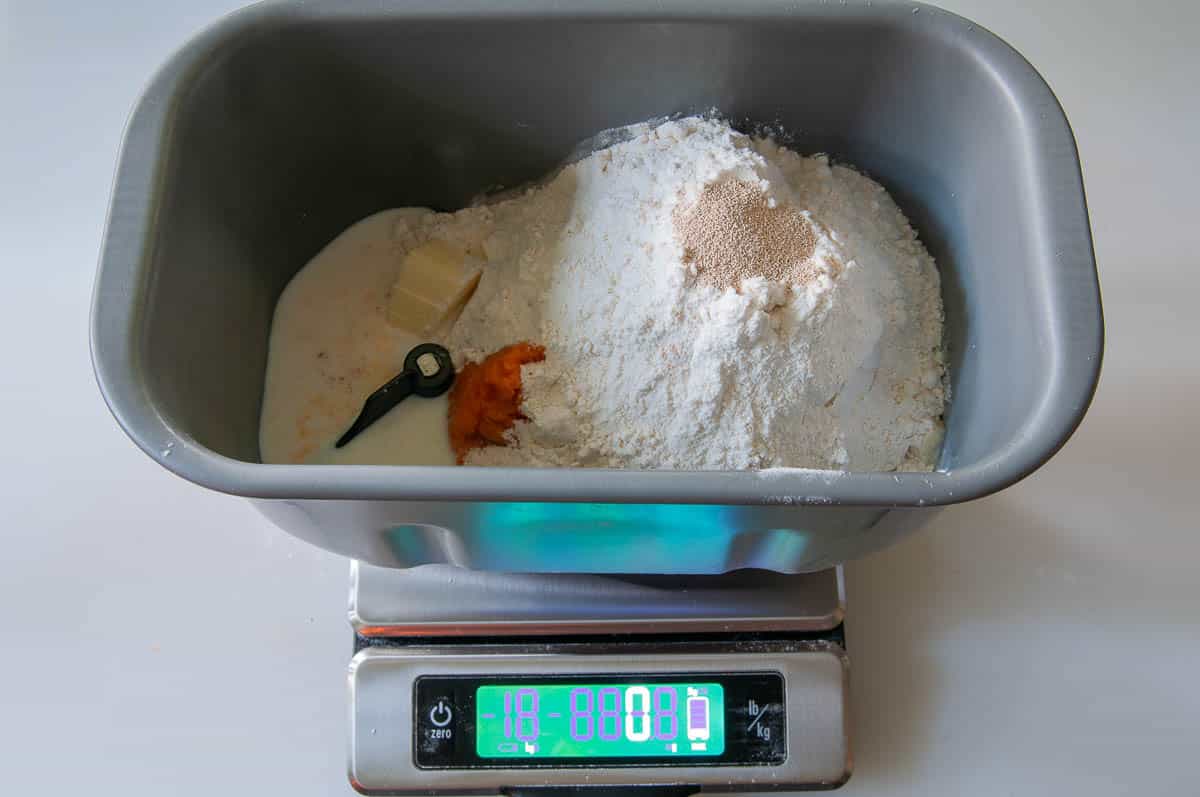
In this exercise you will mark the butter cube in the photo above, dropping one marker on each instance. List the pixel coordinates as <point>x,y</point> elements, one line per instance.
<point>435,281</point>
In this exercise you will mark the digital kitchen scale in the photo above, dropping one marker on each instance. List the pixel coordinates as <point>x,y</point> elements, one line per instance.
<point>467,682</point>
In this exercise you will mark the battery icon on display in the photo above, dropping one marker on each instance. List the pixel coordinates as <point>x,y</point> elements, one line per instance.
<point>697,720</point>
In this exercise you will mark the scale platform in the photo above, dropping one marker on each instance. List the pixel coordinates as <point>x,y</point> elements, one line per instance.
<point>467,682</point>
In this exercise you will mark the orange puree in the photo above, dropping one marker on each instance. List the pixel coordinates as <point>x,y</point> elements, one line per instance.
<point>485,401</point>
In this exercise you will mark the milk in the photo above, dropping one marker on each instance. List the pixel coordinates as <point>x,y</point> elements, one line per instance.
<point>331,346</point>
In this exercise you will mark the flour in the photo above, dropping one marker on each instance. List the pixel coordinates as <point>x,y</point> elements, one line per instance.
<point>649,365</point>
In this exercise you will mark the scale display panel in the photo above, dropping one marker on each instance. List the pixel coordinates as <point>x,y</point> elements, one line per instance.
<point>606,720</point>
<point>696,719</point>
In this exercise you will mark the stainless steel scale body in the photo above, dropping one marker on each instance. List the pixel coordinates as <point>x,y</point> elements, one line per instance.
<point>416,629</point>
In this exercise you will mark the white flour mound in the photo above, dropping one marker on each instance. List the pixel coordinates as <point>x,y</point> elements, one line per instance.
<point>648,367</point>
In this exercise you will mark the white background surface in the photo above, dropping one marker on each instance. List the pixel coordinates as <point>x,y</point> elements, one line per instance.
<point>156,638</point>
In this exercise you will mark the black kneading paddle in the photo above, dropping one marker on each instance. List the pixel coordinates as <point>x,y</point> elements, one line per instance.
<point>427,372</point>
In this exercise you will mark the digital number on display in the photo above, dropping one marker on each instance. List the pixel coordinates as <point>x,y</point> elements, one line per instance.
<point>599,720</point>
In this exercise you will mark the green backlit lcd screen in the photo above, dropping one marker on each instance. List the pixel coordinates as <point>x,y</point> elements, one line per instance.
<point>569,720</point>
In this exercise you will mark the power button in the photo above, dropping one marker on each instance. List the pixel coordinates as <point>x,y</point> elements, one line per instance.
<point>437,718</point>
<point>440,714</point>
